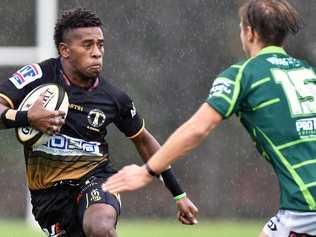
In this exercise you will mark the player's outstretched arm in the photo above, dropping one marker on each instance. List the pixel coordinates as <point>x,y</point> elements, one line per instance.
<point>147,145</point>
<point>186,138</point>
<point>183,140</point>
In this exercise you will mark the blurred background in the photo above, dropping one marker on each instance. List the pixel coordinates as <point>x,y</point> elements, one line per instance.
<point>165,55</point>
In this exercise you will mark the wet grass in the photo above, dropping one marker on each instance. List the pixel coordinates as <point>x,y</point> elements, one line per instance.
<point>153,228</point>
<point>205,228</point>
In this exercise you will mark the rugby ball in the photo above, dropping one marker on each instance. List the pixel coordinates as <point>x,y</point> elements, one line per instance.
<point>55,98</point>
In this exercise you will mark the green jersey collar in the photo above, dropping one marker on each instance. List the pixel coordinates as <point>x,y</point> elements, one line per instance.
<point>271,49</point>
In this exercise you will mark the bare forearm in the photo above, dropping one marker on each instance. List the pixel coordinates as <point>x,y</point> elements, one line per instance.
<point>146,146</point>
<point>186,137</point>
<point>183,140</point>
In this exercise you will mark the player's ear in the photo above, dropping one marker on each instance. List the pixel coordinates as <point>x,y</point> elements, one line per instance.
<point>251,34</point>
<point>63,50</point>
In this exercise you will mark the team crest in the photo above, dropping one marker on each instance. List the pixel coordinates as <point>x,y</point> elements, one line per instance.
<point>95,195</point>
<point>26,75</point>
<point>96,118</point>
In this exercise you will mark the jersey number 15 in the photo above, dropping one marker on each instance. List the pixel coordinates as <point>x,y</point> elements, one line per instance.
<point>299,86</point>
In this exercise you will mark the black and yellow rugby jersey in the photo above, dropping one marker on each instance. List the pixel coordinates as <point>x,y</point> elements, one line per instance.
<point>81,144</point>
<point>274,95</point>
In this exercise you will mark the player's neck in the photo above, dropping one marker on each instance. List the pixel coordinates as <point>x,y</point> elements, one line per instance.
<point>74,78</point>
<point>255,49</point>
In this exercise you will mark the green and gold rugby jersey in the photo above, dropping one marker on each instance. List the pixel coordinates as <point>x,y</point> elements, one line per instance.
<point>274,95</point>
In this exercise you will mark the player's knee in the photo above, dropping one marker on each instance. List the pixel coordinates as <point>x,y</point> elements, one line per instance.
<point>99,222</point>
<point>99,229</point>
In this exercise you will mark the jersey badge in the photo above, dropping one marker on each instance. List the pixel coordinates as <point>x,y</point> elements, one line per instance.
<point>96,118</point>
<point>95,195</point>
<point>26,75</point>
<point>306,128</point>
<point>221,85</point>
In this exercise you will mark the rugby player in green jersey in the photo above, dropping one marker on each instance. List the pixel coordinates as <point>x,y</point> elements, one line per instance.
<point>274,95</point>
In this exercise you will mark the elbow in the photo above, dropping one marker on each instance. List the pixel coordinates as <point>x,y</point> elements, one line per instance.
<point>199,131</point>
<point>201,128</point>
<point>203,121</point>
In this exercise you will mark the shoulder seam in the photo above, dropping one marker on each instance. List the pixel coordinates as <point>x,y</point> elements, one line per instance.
<point>237,87</point>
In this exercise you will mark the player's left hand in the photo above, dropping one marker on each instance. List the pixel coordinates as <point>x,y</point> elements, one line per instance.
<point>187,211</point>
<point>129,178</point>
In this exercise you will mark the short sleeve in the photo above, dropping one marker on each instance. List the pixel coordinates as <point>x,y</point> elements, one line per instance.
<point>225,95</point>
<point>128,120</point>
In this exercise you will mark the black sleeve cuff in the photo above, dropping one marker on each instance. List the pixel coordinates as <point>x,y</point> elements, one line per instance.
<point>171,182</point>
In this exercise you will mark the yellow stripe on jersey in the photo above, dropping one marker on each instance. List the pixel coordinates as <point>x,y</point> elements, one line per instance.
<point>259,82</point>
<point>266,103</point>
<point>139,132</point>
<point>7,99</point>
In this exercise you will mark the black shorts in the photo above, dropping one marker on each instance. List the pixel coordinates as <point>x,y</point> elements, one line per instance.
<point>59,210</point>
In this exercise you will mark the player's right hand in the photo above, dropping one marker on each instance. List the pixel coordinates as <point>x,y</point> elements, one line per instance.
<point>129,178</point>
<point>45,120</point>
<point>187,211</point>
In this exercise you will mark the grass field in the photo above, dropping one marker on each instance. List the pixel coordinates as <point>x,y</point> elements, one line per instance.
<point>154,228</point>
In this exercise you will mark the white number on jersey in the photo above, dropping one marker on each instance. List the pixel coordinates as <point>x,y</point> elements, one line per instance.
<point>299,86</point>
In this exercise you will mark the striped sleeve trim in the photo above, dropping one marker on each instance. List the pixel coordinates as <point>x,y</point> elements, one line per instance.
<point>236,66</point>
<point>224,97</point>
<point>7,99</point>
<point>139,131</point>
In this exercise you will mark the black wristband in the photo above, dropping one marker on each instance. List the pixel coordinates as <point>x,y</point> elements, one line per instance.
<point>21,120</point>
<point>171,183</point>
<point>150,171</point>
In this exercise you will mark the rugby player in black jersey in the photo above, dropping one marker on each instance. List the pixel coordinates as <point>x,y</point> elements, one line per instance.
<point>65,174</point>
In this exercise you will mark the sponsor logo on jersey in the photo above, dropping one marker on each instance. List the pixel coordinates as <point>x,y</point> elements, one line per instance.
<point>96,118</point>
<point>221,85</point>
<point>76,107</point>
<point>68,146</point>
<point>283,61</point>
<point>26,75</point>
<point>306,127</point>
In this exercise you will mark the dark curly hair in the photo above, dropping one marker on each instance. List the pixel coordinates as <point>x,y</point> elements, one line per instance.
<point>72,19</point>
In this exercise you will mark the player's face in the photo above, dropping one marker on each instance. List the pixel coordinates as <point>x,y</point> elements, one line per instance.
<point>85,47</point>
